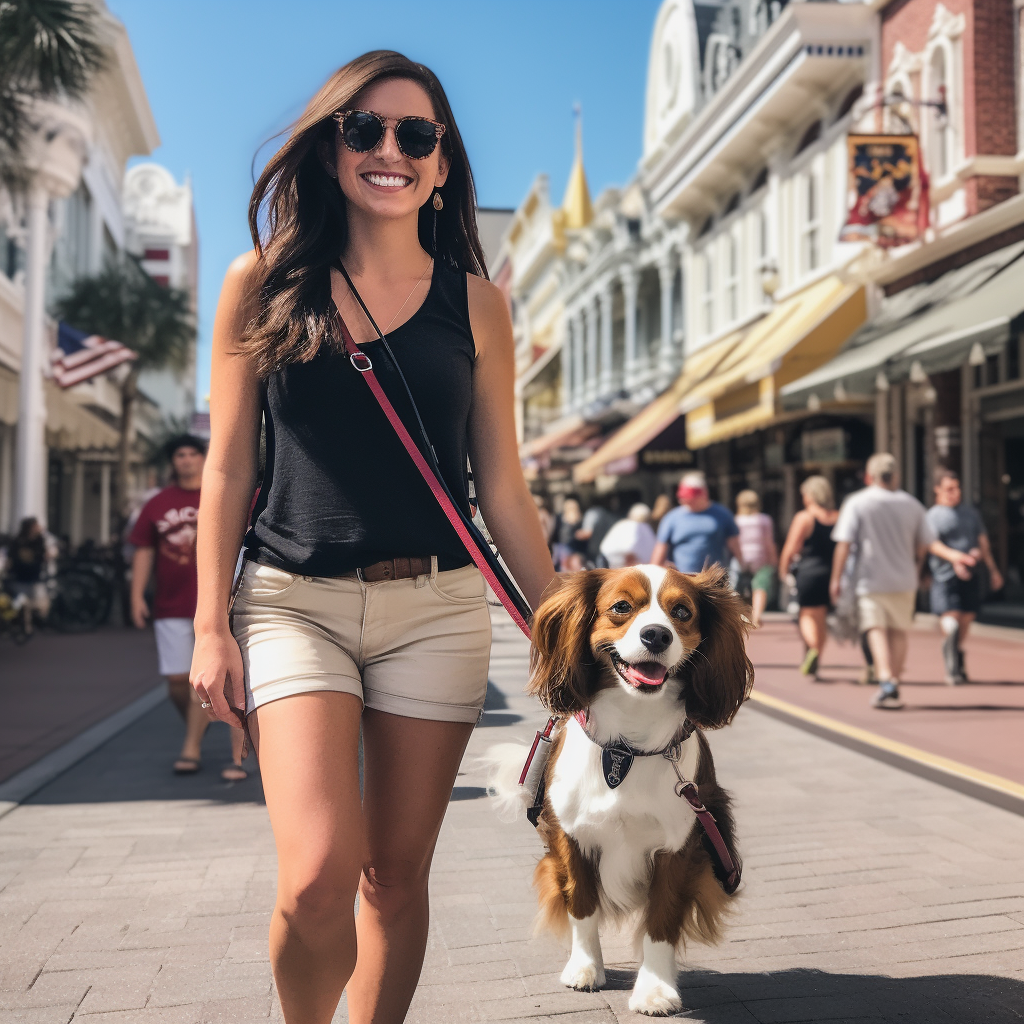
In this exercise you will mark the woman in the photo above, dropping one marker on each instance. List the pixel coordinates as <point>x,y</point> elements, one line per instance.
<point>757,545</point>
<point>631,540</point>
<point>569,549</point>
<point>357,607</point>
<point>810,534</point>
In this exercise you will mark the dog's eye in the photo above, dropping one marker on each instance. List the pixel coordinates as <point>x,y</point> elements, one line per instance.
<point>622,608</point>
<point>682,613</point>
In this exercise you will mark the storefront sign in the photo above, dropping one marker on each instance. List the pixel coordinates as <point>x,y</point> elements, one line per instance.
<point>822,446</point>
<point>666,458</point>
<point>888,190</point>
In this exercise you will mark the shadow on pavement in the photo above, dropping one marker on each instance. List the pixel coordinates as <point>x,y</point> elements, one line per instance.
<point>786,997</point>
<point>136,765</point>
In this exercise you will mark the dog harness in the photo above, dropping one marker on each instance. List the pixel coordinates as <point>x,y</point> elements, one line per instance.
<point>616,760</point>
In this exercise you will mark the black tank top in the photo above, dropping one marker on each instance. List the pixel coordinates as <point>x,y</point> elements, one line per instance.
<point>340,491</point>
<point>819,546</point>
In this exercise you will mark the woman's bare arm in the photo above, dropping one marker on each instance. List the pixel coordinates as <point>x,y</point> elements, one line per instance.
<point>505,500</point>
<point>799,530</point>
<point>228,482</point>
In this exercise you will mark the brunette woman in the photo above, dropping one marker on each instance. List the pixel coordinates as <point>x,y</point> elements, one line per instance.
<point>358,607</point>
<point>810,536</point>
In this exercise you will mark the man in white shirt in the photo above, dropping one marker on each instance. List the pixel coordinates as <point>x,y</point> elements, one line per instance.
<point>892,534</point>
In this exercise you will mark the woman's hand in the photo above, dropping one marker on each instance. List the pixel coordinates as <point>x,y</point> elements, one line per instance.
<point>218,678</point>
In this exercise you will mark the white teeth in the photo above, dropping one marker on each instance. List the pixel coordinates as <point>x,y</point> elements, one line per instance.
<point>387,180</point>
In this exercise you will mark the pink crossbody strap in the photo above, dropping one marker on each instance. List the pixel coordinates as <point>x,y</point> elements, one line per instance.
<point>362,362</point>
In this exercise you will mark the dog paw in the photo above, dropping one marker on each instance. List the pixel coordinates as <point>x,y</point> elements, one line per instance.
<point>654,998</point>
<point>583,975</point>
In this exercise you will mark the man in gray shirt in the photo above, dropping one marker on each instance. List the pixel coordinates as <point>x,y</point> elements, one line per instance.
<point>892,534</point>
<point>956,591</point>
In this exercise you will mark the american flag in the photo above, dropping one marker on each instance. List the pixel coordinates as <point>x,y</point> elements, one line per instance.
<point>80,356</point>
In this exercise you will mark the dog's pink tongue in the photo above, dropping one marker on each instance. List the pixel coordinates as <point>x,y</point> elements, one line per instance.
<point>646,673</point>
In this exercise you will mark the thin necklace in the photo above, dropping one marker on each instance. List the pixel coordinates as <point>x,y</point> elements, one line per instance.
<point>430,263</point>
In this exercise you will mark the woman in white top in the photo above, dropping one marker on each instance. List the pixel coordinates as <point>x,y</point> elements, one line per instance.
<point>757,545</point>
<point>631,540</point>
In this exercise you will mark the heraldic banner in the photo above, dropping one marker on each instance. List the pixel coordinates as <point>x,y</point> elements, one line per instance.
<point>888,190</point>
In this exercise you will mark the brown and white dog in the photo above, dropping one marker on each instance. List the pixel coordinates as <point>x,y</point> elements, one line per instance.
<point>637,651</point>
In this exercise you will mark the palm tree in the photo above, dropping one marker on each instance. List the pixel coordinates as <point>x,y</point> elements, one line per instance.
<point>49,49</point>
<point>124,303</point>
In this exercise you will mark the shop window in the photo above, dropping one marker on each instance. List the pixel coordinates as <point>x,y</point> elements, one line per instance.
<point>1013,358</point>
<point>992,370</point>
<point>157,254</point>
<point>708,296</point>
<point>811,231</point>
<point>732,285</point>
<point>162,279</point>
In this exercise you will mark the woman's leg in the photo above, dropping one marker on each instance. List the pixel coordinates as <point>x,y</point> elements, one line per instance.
<point>308,753</point>
<point>808,631</point>
<point>409,769</point>
<point>758,605</point>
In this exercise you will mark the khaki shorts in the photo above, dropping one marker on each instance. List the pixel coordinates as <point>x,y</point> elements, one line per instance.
<point>886,611</point>
<point>418,648</point>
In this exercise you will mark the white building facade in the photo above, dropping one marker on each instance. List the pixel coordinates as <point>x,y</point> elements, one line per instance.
<point>57,446</point>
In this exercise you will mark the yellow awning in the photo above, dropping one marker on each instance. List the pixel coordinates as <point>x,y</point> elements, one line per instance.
<point>660,414</point>
<point>797,336</point>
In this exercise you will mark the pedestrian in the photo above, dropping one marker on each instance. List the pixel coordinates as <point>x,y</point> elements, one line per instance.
<point>698,532</point>
<point>547,520</point>
<point>892,534</point>
<point>27,555</point>
<point>569,549</point>
<point>164,537</point>
<point>597,521</point>
<point>757,544</point>
<point>956,589</point>
<point>359,610</point>
<point>662,505</point>
<point>631,540</point>
<point>810,540</point>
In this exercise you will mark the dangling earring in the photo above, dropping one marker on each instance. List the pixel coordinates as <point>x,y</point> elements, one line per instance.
<point>438,201</point>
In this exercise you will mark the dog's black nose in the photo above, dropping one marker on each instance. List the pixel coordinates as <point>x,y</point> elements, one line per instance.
<point>655,638</point>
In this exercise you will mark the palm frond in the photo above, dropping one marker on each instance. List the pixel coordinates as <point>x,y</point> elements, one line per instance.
<point>124,303</point>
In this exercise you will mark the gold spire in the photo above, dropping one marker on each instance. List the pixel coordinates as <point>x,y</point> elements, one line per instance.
<point>576,206</point>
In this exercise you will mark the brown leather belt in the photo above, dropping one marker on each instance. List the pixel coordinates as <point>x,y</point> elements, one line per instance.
<point>394,569</point>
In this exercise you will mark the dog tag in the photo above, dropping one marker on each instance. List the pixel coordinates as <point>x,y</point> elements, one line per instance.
<point>616,762</point>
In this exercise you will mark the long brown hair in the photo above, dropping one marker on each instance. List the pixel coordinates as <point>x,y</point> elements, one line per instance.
<point>299,225</point>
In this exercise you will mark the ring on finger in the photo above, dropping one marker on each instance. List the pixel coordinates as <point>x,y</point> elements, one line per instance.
<point>206,704</point>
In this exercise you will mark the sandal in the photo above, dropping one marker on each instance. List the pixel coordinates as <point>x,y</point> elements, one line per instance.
<point>233,773</point>
<point>187,765</point>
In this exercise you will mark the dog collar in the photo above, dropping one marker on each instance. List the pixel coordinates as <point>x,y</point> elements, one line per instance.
<point>617,758</point>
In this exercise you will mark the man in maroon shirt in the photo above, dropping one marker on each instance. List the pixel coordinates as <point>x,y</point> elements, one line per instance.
<point>164,536</point>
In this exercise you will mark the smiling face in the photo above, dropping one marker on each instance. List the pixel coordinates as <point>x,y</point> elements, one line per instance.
<point>385,182</point>
<point>647,626</point>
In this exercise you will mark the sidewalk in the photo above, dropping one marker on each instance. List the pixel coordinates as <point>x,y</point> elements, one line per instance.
<point>869,894</point>
<point>980,724</point>
<point>58,684</point>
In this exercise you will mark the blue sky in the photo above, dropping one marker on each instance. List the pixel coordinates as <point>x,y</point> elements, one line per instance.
<point>223,76</point>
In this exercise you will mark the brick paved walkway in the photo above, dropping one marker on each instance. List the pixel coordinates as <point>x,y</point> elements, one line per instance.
<point>869,895</point>
<point>980,724</point>
<point>59,684</point>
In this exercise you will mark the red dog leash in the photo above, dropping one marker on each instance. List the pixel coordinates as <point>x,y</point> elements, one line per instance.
<point>362,362</point>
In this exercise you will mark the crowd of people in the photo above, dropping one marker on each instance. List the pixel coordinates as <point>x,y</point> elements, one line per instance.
<point>855,571</point>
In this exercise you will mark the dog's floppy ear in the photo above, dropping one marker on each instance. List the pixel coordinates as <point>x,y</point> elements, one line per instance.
<point>563,671</point>
<point>719,675</point>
